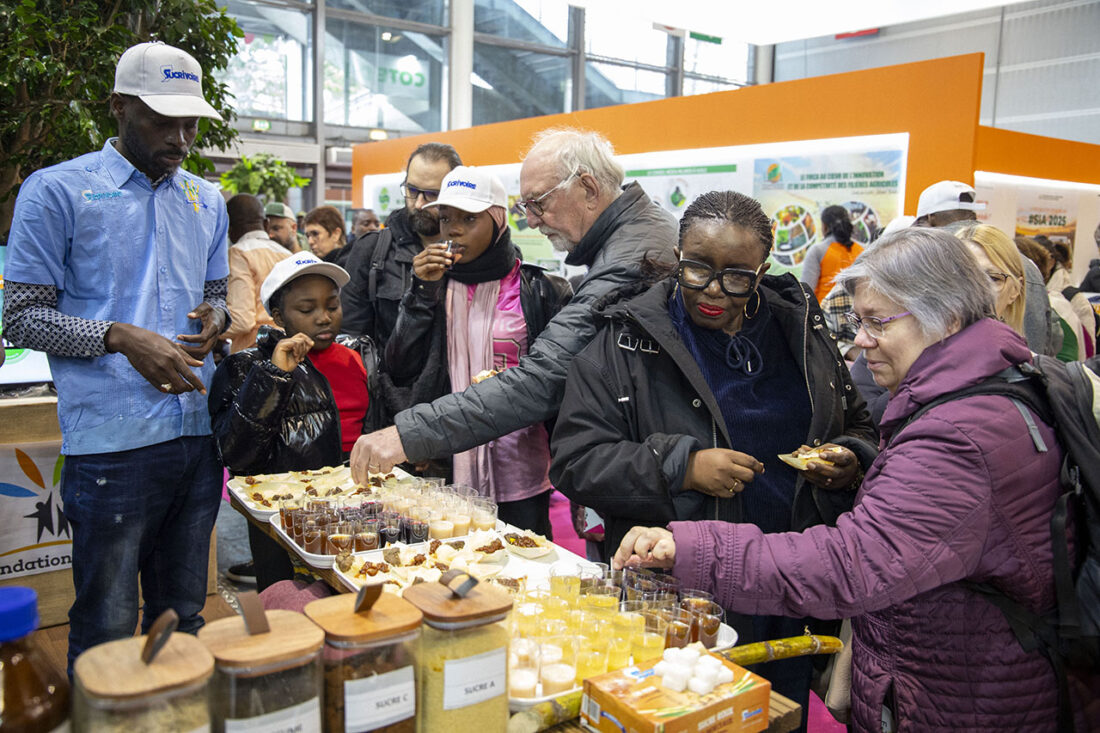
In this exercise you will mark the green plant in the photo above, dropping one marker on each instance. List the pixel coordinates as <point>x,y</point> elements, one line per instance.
<point>263,175</point>
<point>59,69</point>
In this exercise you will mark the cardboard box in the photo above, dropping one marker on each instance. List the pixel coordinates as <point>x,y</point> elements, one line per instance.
<point>632,700</point>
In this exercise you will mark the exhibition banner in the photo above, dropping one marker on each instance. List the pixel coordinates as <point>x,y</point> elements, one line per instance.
<point>34,534</point>
<point>793,181</point>
<point>1050,212</point>
<point>795,189</point>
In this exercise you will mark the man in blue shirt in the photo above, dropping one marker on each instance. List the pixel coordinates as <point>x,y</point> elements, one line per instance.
<point>117,269</point>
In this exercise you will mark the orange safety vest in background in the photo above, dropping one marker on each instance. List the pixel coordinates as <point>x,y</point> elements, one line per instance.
<point>836,258</point>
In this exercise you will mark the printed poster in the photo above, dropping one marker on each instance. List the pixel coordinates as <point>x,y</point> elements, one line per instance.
<point>34,534</point>
<point>1049,212</point>
<point>795,189</point>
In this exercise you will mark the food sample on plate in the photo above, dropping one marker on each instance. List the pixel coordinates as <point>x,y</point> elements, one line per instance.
<point>527,544</point>
<point>800,460</point>
<point>405,565</point>
<point>265,491</point>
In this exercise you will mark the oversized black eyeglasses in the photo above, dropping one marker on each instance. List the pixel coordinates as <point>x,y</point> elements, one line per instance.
<point>412,192</point>
<point>734,282</point>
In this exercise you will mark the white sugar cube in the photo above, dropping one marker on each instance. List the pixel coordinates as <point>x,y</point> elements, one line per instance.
<point>689,654</point>
<point>660,668</point>
<point>706,674</point>
<point>674,682</point>
<point>725,675</point>
<point>681,670</point>
<point>707,660</point>
<point>699,686</point>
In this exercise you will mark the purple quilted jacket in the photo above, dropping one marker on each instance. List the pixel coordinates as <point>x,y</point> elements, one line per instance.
<point>962,493</point>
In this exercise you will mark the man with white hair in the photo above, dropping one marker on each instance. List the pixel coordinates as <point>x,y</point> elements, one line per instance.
<point>572,192</point>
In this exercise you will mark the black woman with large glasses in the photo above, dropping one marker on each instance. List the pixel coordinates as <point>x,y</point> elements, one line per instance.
<point>682,405</point>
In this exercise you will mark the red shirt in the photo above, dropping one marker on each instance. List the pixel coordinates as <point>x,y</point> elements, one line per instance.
<point>347,377</point>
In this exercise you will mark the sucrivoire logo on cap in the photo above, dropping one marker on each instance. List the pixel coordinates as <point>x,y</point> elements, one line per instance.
<point>170,75</point>
<point>306,261</point>
<point>464,184</point>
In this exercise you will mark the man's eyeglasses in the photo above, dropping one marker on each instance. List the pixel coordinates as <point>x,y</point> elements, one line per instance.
<point>734,282</point>
<point>536,206</point>
<point>411,192</point>
<point>875,327</point>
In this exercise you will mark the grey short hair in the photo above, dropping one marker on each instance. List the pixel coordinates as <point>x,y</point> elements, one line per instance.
<point>929,273</point>
<point>585,151</point>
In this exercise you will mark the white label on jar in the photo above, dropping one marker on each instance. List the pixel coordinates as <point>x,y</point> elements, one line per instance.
<point>303,718</point>
<point>475,679</point>
<point>380,700</point>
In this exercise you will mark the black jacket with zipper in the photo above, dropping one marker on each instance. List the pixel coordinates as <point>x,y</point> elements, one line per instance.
<point>417,345</point>
<point>266,420</point>
<point>636,406</point>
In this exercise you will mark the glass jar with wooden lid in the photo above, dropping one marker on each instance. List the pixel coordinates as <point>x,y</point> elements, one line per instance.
<point>269,680</point>
<point>370,661</point>
<point>117,691</point>
<point>463,655</point>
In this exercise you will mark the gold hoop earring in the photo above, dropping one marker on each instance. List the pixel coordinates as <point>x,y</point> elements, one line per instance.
<point>755,310</point>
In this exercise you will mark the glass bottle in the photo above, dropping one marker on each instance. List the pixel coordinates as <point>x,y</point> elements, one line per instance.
<point>35,696</point>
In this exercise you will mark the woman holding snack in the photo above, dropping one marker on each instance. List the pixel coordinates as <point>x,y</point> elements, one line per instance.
<point>962,492</point>
<point>472,310</point>
<point>681,406</point>
<point>295,401</point>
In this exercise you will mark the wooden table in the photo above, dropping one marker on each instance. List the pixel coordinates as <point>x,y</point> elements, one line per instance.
<point>784,715</point>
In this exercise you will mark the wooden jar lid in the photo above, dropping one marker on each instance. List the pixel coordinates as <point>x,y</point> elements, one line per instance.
<point>292,636</point>
<point>389,616</point>
<point>115,669</point>
<point>484,603</point>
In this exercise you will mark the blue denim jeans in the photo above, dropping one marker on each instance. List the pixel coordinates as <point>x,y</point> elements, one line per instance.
<point>150,511</point>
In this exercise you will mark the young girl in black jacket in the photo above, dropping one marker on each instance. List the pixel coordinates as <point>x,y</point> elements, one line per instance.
<point>295,401</point>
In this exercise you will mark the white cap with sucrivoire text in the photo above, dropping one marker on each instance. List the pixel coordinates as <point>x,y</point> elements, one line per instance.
<point>166,78</point>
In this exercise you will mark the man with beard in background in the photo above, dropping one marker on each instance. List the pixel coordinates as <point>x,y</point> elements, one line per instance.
<point>381,263</point>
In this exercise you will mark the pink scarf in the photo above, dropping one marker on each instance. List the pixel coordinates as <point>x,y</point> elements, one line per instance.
<point>469,351</point>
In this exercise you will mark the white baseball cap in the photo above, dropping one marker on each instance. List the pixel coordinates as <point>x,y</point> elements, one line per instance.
<point>290,268</point>
<point>166,78</point>
<point>947,196</point>
<point>471,189</point>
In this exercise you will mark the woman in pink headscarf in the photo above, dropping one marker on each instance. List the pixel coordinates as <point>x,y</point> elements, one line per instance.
<point>473,309</point>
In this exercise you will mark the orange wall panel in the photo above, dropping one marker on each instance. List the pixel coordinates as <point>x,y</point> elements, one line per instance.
<point>937,102</point>
<point>1020,154</point>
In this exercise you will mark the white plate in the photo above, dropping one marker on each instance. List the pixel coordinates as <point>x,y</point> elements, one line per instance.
<point>240,489</point>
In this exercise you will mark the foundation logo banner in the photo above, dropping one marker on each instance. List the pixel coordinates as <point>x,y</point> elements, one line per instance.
<point>34,534</point>
<point>795,189</point>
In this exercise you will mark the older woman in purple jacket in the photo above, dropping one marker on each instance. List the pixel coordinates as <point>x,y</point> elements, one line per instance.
<point>961,493</point>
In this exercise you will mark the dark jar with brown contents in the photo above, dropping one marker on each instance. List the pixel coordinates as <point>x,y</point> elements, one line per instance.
<point>370,661</point>
<point>35,697</point>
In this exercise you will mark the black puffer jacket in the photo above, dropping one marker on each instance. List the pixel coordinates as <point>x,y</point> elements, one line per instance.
<point>376,318</point>
<point>267,421</point>
<point>631,229</point>
<point>636,406</point>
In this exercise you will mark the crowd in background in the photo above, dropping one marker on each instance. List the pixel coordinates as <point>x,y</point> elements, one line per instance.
<point>660,391</point>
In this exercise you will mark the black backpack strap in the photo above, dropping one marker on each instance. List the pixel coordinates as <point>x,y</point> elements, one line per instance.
<point>1012,383</point>
<point>1035,633</point>
<point>377,260</point>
